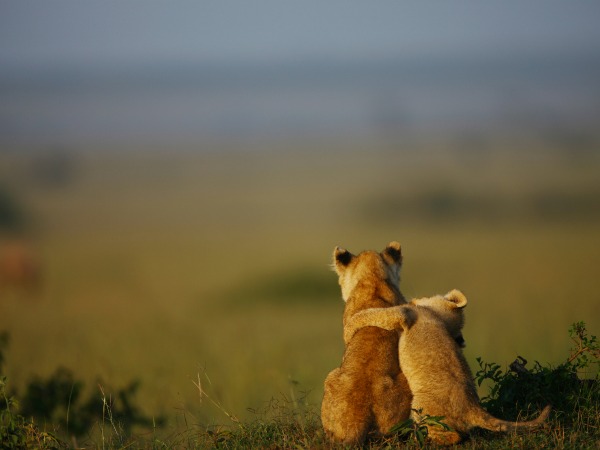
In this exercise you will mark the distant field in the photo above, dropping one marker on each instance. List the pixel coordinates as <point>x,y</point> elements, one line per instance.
<point>214,262</point>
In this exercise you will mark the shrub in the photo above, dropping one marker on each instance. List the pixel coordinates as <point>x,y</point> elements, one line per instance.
<point>58,401</point>
<point>15,430</point>
<point>520,390</point>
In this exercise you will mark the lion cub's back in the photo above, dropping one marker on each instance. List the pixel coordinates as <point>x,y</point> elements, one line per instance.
<point>373,351</point>
<point>433,363</point>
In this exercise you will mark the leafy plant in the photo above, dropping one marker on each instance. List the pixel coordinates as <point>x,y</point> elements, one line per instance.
<point>19,433</point>
<point>586,351</point>
<point>520,390</point>
<point>58,400</point>
<point>16,432</point>
<point>417,430</point>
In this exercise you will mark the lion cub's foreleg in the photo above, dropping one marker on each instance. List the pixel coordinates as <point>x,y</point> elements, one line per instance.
<point>392,318</point>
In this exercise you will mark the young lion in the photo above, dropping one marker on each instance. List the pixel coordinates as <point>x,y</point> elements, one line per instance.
<point>437,372</point>
<point>368,391</point>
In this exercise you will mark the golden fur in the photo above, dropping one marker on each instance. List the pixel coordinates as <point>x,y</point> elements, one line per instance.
<point>368,392</point>
<point>437,372</point>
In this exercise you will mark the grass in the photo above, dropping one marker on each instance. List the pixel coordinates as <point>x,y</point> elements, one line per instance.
<point>292,423</point>
<point>159,266</point>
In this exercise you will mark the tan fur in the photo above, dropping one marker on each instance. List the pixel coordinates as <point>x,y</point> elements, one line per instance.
<point>368,392</point>
<point>437,372</point>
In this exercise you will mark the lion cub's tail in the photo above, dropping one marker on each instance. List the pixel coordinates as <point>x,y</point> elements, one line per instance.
<point>489,422</point>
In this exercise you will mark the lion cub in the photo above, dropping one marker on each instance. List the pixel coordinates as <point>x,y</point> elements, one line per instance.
<point>368,391</point>
<point>437,372</point>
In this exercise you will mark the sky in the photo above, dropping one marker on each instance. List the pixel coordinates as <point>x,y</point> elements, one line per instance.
<point>38,33</point>
<point>89,69</point>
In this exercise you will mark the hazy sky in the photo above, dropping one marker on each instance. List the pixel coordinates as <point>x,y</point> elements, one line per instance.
<point>115,32</point>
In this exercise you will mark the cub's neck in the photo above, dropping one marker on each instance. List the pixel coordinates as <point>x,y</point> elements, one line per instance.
<point>369,294</point>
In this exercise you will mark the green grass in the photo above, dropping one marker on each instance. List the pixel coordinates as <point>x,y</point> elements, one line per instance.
<point>162,266</point>
<point>291,421</point>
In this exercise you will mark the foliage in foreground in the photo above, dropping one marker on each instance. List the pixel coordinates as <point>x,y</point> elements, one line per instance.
<point>417,429</point>
<point>57,402</point>
<point>515,393</point>
<point>15,430</point>
<point>519,390</point>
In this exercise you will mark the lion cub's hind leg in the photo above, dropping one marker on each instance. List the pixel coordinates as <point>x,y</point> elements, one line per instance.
<point>392,404</point>
<point>343,414</point>
<point>442,437</point>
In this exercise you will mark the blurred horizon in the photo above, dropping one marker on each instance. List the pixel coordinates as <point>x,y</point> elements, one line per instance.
<point>116,71</point>
<point>195,101</point>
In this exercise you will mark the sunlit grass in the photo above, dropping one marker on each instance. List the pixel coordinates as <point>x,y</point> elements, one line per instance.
<point>220,265</point>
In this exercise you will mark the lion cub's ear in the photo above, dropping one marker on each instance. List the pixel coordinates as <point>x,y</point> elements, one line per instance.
<point>457,298</point>
<point>341,257</point>
<point>393,253</point>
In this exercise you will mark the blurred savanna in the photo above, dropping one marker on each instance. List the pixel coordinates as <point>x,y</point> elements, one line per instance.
<point>165,266</point>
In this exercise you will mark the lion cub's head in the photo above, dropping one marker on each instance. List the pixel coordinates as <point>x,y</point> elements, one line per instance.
<point>368,267</point>
<point>449,309</point>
